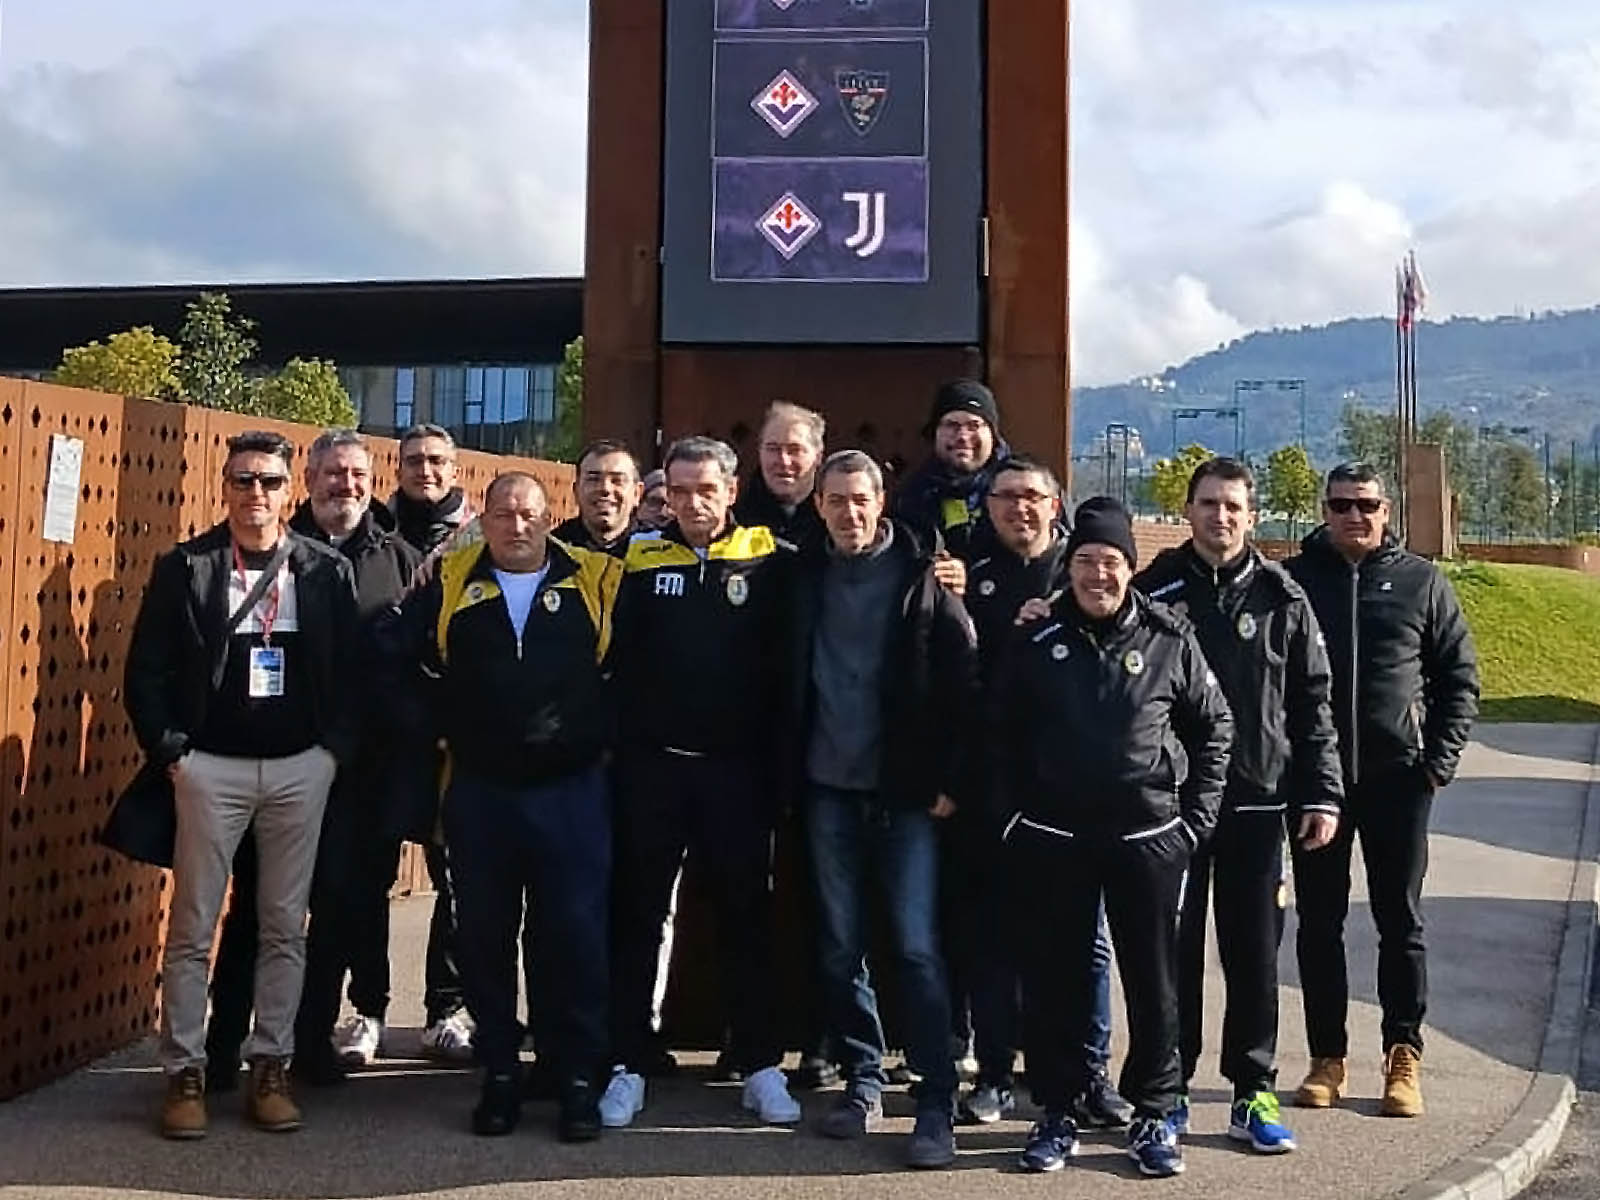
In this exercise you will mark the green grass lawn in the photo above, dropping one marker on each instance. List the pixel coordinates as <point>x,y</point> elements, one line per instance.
<point>1537,630</point>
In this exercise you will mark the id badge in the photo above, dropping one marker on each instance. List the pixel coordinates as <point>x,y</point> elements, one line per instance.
<point>266,672</point>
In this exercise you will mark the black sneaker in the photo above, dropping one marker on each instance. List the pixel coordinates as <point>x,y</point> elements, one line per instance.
<point>580,1111</point>
<point>1099,1106</point>
<point>499,1106</point>
<point>933,1141</point>
<point>855,1115</point>
<point>813,1074</point>
<point>1050,1144</point>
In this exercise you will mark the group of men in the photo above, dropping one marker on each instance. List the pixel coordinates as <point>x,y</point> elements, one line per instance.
<point>981,731</point>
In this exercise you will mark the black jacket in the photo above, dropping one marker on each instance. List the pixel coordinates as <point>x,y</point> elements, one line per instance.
<point>1405,676</point>
<point>384,562</point>
<point>177,646</point>
<point>1114,728</point>
<point>697,651</point>
<point>575,533</point>
<point>428,526</point>
<point>802,528</point>
<point>998,582</point>
<point>516,711</point>
<point>1261,638</point>
<point>936,499</point>
<point>930,676</point>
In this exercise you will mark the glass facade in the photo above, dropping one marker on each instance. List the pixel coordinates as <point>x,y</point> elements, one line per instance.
<point>508,408</point>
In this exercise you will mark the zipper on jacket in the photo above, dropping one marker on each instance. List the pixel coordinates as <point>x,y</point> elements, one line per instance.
<point>1355,668</point>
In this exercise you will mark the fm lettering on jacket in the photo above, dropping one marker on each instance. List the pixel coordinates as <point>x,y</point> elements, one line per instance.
<point>669,583</point>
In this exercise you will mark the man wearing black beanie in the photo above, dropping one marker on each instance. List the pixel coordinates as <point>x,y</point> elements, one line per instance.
<point>1086,713</point>
<point>946,494</point>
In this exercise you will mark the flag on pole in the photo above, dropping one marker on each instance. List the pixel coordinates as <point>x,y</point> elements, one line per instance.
<point>1413,292</point>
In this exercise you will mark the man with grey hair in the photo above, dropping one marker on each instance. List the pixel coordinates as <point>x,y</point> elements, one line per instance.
<point>698,613</point>
<point>883,667</point>
<point>778,494</point>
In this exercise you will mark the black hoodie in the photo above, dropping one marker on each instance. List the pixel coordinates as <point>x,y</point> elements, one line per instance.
<point>1261,638</point>
<point>1405,675</point>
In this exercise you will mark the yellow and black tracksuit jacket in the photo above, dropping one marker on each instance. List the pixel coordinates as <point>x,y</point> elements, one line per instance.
<point>698,650</point>
<point>522,711</point>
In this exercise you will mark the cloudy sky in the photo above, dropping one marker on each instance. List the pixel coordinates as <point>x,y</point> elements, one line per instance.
<point>1238,163</point>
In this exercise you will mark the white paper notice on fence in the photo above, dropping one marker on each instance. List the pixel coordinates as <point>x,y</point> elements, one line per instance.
<point>61,494</point>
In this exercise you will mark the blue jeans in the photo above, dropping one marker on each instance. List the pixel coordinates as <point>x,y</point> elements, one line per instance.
<point>856,844</point>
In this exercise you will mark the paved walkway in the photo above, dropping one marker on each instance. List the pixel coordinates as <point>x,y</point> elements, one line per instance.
<point>1504,847</point>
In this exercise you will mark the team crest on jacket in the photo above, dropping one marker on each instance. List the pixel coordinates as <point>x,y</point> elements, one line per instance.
<point>552,601</point>
<point>1133,663</point>
<point>986,588</point>
<point>1246,626</point>
<point>1059,652</point>
<point>475,593</point>
<point>738,590</point>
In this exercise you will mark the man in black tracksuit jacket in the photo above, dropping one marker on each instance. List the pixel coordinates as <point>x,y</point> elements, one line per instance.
<point>608,492</point>
<point>1020,554</point>
<point>1405,694</point>
<point>1260,637</point>
<point>359,851</point>
<point>699,689</point>
<point>1109,739</point>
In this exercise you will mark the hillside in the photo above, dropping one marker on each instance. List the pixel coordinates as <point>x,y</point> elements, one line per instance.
<point>1542,372</point>
<point>1533,628</point>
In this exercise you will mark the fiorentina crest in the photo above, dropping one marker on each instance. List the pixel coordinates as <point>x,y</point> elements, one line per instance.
<point>788,225</point>
<point>863,96</point>
<point>784,104</point>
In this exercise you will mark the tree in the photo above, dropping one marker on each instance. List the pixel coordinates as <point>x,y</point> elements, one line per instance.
<point>1519,491</point>
<point>1292,485</point>
<point>565,441</point>
<point>216,346</point>
<point>1169,482</point>
<point>307,390</point>
<point>136,362</point>
<point>1369,435</point>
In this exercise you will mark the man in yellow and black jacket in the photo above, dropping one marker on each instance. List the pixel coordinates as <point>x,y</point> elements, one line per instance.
<point>514,633</point>
<point>700,622</point>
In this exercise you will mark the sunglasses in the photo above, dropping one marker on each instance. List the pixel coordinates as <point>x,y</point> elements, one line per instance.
<point>244,481</point>
<point>1345,504</point>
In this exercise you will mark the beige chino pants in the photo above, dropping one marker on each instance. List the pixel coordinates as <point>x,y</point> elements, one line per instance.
<point>217,799</point>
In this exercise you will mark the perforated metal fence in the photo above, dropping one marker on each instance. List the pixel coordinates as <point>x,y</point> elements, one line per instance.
<point>80,927</point>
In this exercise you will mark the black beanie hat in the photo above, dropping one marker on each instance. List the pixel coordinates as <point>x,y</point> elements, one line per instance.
<point>1101,520</point>
<point>964,395</point>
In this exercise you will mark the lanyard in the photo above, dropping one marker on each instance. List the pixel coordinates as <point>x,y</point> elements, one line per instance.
<point>269,614</point>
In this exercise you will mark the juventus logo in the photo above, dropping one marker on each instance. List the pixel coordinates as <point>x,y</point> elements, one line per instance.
<point>867,240</point>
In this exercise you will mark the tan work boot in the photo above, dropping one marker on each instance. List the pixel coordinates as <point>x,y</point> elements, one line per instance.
<point>1323,1084</point>
<point>183,1114</point>
<point>272,1107</point>
<point>1402,1081</point>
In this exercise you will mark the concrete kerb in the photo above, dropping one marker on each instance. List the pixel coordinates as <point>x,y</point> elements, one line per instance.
<point>1508,1162</point>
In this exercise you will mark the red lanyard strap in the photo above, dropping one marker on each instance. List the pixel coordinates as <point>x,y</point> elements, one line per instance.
<point>268,615</point>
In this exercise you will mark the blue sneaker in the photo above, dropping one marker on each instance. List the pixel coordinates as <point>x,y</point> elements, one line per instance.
<point>1153,1144</point>
<point>1180,1116</point>
<point>1256,1120</point>
<point>1050,1143</point>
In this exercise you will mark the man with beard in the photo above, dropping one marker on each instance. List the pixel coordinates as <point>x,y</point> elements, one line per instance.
<point>945,495</point>
<point>608,492</point>
<point>778,494</point>
<point>431,511</point>
<point>359,853</point>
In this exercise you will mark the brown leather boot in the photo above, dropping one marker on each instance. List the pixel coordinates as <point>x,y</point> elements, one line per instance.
<point>1402,1081</point>
<point>1323,1084</point>
<point>183,1114</point>
<point>272,1107</point>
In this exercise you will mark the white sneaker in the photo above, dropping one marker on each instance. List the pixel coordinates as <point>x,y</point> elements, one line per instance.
<point>357,1039</point>
<point>624,1097</point>
<point>766,1093</point>
<point>449,1039</point>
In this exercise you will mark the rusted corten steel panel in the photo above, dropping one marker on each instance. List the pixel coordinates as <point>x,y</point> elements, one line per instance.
<point>622,246</point>
<point>1027,132</point>
<point>80,928</point>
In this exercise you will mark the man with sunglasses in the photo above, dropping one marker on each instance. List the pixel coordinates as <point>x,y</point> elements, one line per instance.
<point>235,677</point>
<point>1405,693</point>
